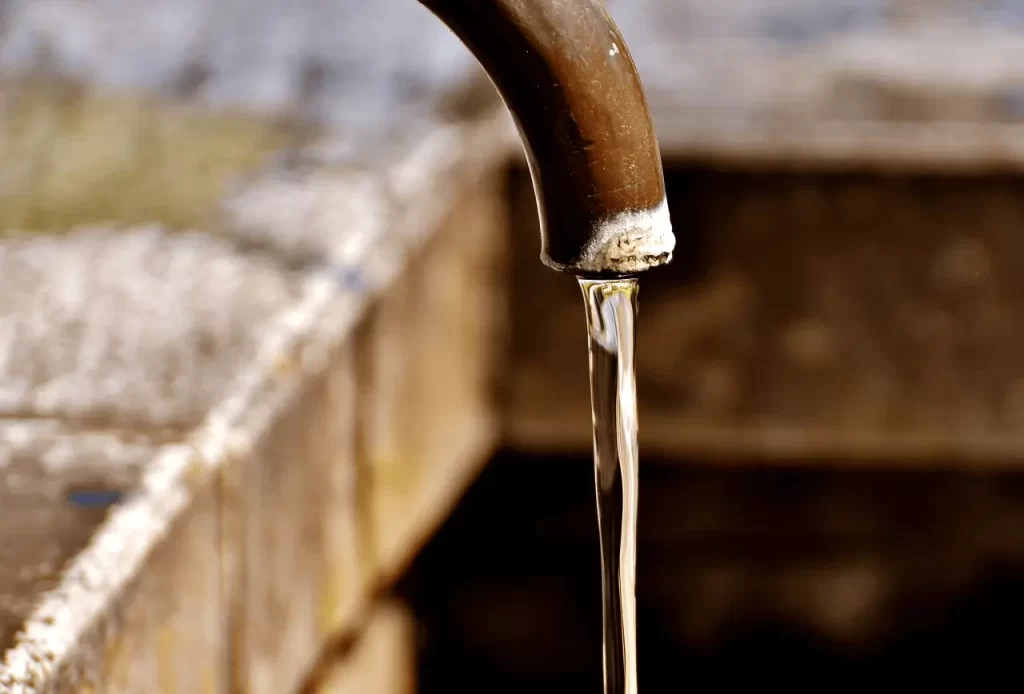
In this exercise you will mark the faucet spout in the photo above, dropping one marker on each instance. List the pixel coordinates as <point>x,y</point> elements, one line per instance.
<point>569,81</point>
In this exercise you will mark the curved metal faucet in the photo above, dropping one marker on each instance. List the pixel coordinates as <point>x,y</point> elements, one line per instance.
<point>569,81</point>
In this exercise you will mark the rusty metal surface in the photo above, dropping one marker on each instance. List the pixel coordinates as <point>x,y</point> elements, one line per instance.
<point>806,315</point>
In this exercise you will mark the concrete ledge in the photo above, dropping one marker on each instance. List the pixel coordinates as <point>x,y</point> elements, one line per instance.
<point>56,482</point>
<point>262,517</point>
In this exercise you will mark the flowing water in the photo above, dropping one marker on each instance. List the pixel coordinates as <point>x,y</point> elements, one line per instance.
<point>611,324</point>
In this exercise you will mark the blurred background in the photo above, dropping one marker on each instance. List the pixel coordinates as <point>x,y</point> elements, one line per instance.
<point>830,372</point>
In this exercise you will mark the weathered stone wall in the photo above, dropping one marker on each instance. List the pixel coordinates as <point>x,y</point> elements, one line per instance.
<point>270,487</point>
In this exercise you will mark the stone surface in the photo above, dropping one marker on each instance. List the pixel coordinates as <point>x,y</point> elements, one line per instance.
<point>300,573</point>
<point>429,356</point>
<point>139,607</point>
<point>325,204</point>
<point>334,494</point>
<point>166,631</point>
<point>238,552</point>
<point>135,327</point>
<point>382,661</point>
<point>56,485</point>
<point>246,538</point>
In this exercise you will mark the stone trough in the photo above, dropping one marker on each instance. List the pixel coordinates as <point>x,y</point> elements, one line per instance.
<point>252,318</point>
<point>215,444</point>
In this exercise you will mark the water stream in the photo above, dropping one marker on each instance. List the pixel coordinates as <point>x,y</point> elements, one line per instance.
<point>611,324</point>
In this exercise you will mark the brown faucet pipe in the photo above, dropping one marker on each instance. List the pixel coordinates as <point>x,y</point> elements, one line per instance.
<point>569,81</point>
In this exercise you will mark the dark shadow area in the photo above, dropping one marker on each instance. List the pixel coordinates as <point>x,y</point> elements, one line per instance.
<point>741,577</point>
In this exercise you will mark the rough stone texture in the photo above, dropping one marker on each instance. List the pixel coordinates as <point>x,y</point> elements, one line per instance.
<point>382,661</point>
<point>139,327</point>
<point>43,465</point>
<point>806,316</point>
<point>228,567</point>
<point>411,444</point>
<point>139,608</point>
<point>166,631</point>
<point>247,538</point>
<point>300,575</point>
<point>326,203</point>
<point>428,359</point>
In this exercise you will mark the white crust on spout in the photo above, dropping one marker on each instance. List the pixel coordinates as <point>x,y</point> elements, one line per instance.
<point>627,243</point>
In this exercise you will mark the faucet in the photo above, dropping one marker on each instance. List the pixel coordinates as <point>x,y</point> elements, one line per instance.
<point>570,84</point>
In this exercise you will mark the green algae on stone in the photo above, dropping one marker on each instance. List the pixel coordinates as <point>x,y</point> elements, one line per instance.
<point>71,157</point>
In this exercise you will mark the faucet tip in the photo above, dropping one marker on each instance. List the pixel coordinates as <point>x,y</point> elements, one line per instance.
<point>566,75</point>
<point>626,243</point>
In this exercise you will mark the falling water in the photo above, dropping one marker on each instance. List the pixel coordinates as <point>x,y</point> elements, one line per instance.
<point>611,323</point>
